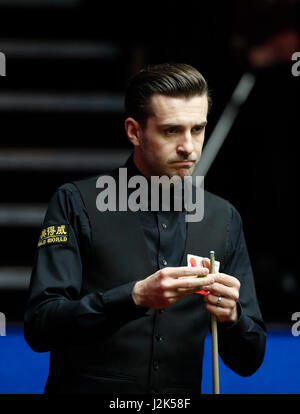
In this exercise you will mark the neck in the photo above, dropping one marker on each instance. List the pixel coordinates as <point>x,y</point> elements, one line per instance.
<point>140,165</point>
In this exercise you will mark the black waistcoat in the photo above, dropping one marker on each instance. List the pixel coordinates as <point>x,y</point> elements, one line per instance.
<point>161,351</point>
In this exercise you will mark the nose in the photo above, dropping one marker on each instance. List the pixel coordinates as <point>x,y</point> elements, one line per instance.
<point>186,145</point>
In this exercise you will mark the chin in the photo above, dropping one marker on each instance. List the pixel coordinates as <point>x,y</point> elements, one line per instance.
<point>185,172</point>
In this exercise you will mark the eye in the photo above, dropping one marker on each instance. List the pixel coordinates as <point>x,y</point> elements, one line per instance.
<point>172,130</point>
<point>198,128</point>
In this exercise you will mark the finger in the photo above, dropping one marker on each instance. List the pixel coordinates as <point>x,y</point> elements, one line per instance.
<point>221,290</point>
<point>205,262</point>
<point>193,283</point>
<point>183,271</point>
<point>226,292</point>
<point>189,291</point>
<point>221,313</point>
<point>214,301</point>
<point>227,280</point>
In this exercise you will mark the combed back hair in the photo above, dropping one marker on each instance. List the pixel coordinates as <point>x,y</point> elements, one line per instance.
<point>177,80</point>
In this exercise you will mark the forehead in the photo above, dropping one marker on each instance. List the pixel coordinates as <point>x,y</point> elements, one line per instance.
<point>167,108</point>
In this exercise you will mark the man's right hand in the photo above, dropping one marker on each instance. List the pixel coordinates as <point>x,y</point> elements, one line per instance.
<point>167,286</point>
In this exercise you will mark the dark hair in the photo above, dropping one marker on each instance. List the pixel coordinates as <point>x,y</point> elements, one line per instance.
<point>170,79</point>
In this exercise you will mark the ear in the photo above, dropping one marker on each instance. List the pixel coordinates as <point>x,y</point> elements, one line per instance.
<point>133,131</point>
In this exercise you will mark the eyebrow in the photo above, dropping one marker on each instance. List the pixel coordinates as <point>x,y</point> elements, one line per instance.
<point>172,125</point>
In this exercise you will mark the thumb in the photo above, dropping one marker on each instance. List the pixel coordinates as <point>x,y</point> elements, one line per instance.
<point>206,263</point>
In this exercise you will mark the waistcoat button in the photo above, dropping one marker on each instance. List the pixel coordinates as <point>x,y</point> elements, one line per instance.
<point>155,365</point>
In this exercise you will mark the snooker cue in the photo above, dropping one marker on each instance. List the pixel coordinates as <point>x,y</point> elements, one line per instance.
<point>224,124</point>
<point>214,335</point>
<point>210,151</point>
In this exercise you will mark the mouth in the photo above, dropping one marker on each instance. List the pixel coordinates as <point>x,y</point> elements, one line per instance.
<point>184,164</point>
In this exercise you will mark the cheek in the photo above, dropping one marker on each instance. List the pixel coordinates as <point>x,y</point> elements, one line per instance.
<point>161,150</point>
<point>199,145</point>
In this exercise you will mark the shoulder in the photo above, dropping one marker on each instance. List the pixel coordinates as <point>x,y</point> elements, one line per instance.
<point>67,198</point>
<point>66,194</point>
<point>90,182</point>
<point>217,206</point>
<point>215,199</point>
<point>221,203</point>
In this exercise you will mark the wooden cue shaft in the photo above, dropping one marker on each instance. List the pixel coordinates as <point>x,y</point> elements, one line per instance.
<point>214,334</point>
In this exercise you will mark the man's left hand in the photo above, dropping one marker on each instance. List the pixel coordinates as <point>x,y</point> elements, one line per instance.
<point>223,296</point>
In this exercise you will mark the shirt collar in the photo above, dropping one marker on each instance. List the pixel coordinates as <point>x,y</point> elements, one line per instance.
<point>132,171</point>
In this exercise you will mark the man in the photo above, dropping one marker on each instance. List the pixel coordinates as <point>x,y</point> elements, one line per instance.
<point>111,295</point>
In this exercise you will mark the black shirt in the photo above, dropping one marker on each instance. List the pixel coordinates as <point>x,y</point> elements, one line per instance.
<point>165,233</point>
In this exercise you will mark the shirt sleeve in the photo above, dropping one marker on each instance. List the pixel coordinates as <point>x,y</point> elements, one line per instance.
<point>56,312</point>
<point>242,344</point>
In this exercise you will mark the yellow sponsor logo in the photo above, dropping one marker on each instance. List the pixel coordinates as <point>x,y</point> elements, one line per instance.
<point>53,234</point>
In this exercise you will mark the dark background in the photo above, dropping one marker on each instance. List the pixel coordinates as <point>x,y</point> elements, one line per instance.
<point>256,168</point>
